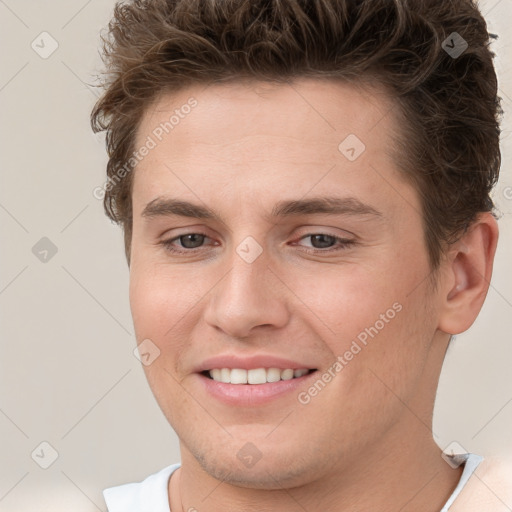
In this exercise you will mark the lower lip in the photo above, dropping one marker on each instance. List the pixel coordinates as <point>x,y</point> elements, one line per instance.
<point>247,395</point>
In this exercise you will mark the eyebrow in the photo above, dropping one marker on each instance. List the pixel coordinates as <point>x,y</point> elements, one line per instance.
<point>166,206</point>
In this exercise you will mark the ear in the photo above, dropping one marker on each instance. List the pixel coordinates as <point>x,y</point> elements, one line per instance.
<point>468,270</point>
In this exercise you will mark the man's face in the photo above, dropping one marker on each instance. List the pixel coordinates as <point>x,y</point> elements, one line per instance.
<point>343,294</point>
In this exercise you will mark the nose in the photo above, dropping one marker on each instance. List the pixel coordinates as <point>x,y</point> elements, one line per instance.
<point>249,297</point>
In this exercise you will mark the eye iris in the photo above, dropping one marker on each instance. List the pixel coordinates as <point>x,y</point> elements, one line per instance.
<point>324,241</point>
<point>191,241</point>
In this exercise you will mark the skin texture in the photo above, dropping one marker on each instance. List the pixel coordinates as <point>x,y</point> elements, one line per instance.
<point>243,148</point>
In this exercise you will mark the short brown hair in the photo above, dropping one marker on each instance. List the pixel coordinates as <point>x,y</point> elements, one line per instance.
<point>449,147</point>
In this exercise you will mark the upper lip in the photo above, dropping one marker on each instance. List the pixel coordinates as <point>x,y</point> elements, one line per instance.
<point>249,363</point>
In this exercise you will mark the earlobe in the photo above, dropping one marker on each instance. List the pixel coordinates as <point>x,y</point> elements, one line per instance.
<point>469,273</point>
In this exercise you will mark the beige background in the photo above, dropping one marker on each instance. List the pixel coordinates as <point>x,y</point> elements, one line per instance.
<point>68,375</point>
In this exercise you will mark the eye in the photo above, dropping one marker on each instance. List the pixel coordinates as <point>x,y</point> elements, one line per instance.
<point>188,241</point>
<point>323,242</point>
<point>192,240</point>
<point>320,243</point>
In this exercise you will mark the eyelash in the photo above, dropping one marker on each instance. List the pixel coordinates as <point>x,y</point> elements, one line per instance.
<point>344,243</point>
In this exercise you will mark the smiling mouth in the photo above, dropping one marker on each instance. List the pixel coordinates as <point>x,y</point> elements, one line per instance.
<point>255,376</point>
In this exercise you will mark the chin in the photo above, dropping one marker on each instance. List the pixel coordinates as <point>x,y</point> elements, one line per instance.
<point>273,467</point>
<point>268,475</point>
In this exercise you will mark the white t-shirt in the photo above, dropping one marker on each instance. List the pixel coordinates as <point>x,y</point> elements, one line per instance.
<point>151,494</point>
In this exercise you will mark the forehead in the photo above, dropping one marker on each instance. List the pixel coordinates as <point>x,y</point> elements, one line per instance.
<point>314,108</point>
<point>257,138</point>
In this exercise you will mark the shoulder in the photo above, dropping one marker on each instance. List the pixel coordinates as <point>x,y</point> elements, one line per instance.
<point>489,488</point>
<point>148,495</point>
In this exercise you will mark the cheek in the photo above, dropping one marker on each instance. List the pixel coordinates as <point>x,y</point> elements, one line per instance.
<point>150,298</point>
<point>161,300</point>
<point>162,312</point>
<point>166,303</point>
<point>376,321</point>
<point>347,299</point>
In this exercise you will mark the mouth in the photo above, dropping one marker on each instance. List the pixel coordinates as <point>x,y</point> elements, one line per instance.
<point>255,376</point>
<point>252,380</point>
<point>255,387</point>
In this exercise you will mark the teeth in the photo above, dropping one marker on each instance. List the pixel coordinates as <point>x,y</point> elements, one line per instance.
<point>254,376</point>
<point>238,376</point>
<point>225,375</point>
<point>217,375</point>
<point>287,374</point>
<point>273,374</point>
<point>257,376</point>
